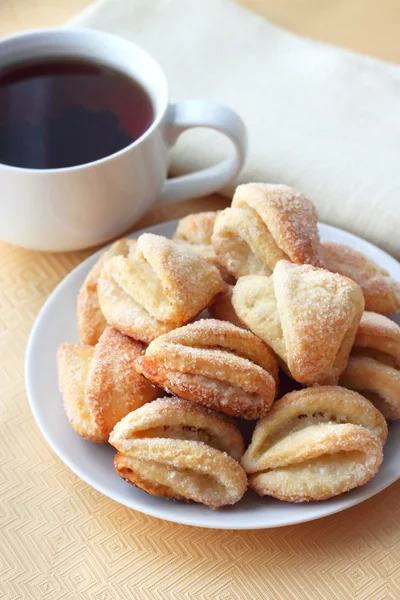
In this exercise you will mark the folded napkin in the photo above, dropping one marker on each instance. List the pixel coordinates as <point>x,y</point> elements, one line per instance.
<point>322,119</point>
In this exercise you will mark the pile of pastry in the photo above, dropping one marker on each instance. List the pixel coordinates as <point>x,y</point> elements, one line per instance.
<point>182,339</point>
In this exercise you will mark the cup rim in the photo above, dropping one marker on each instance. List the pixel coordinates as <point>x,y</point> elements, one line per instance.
<point>93,33</point>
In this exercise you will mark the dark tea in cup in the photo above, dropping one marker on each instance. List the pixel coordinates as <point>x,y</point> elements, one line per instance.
<point>86,131</point>
<point>64,112</point>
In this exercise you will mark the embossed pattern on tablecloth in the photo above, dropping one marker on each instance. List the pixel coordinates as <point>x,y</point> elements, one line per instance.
<point>61,539</point>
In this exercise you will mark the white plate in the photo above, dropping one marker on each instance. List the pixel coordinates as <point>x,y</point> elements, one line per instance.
<point>56,323</point>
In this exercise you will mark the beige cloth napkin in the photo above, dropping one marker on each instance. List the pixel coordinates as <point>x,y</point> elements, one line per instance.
<point>322,119</point>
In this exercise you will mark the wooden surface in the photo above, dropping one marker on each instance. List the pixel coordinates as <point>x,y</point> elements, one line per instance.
<point>62,540</point>
<point>369,26</point>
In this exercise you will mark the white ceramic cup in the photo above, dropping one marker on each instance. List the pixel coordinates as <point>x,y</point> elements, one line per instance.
<point>85,205</point>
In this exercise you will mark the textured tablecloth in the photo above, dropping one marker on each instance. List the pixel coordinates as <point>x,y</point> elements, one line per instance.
<point>60,539</point>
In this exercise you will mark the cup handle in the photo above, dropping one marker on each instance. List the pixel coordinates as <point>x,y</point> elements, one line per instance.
<point>203,113</point>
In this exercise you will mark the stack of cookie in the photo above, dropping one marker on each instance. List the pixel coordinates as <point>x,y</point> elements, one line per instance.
<point>182,337</point>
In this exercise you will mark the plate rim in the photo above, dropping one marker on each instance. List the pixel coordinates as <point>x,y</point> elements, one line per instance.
<point>84,476</point>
